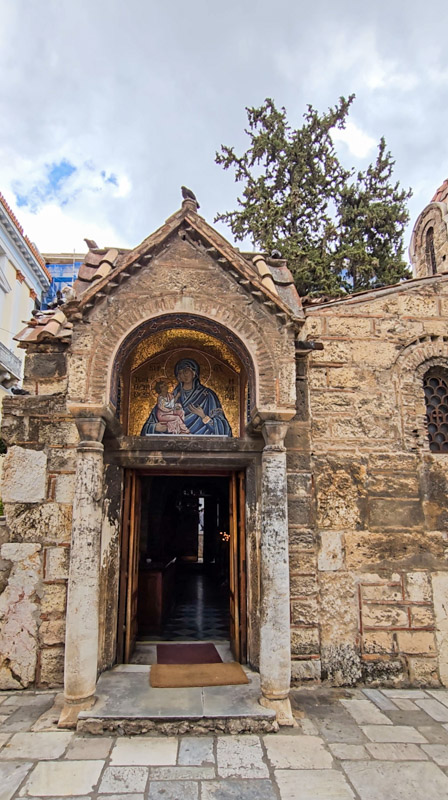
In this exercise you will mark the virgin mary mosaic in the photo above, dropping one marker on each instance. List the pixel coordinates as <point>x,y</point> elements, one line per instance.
<point>190,408</point>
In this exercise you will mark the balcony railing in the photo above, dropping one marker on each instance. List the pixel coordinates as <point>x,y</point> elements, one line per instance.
<point>9,361</point>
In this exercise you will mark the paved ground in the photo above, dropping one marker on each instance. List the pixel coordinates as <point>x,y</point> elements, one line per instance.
<point>364,744</point>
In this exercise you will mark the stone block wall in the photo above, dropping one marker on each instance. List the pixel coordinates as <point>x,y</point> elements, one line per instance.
<point>37,491</point>
<point>369,566</point>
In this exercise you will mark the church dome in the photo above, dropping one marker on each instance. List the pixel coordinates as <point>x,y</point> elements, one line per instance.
<point>441,195</point>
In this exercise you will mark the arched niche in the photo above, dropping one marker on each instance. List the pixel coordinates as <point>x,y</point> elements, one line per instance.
<point>151,352</point>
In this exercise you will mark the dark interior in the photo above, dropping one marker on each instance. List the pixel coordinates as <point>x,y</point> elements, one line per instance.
<point>183,588</point>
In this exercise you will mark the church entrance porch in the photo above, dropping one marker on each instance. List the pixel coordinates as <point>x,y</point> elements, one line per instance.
<point>254,474</point>
<point>182,579</point>
<point>183,563</point>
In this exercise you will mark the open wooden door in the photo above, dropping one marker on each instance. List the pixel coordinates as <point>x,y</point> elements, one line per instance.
<point>237,572</point>
<point>130,535</point>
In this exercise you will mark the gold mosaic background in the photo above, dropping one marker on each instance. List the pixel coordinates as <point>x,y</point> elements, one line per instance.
<point>155,358</point>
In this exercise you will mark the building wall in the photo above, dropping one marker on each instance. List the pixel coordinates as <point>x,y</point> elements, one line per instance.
<point>22,280</point>
<point>369,579</point>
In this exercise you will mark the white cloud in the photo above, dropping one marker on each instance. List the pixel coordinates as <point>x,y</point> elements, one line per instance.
<point>359,143</point>
<point>55,229</point>
<point>148,92</point>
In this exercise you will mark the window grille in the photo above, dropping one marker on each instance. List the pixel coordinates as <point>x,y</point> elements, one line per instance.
<point>435,384</point>
<point>430,252</point>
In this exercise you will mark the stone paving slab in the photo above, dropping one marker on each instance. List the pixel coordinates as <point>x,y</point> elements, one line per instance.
<point>39,746</point>
<point>365,713</point>
<point>397,781</point>
<point>438,752</point>
<point>11,776</point>
<point>25,715</point>
<point>173,790</point>
<point>239,790</point>
<point>124,780</point>
<point>436,710</point>
<point>145,750</point>
<point>297,752</point>
<point>436,734</point>
<point>331,754</point>
<point>182,773</point>
<point>240,756</point>
<point>439,694</point>
<point>396,733</point>
<point>319,784</point>
<point>195,751</point>
<point>396,752</point>
<point>63,778</point>
<point>90,749</point>
<point>380,700</point>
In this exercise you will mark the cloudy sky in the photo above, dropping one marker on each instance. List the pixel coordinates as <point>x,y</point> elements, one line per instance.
<point>107,107</point>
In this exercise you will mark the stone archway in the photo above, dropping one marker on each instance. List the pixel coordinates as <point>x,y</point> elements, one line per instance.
<point>410,367</point>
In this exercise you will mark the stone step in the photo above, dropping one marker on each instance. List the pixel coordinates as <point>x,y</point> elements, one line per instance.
<point>127,705</point>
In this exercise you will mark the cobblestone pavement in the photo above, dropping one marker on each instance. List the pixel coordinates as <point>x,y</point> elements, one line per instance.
<point>365,744</point>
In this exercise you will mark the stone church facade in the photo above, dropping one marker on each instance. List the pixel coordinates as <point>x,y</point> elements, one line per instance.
<point>337,463</point>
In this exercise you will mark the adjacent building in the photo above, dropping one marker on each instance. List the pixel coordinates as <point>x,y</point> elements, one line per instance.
<point>24,278</point>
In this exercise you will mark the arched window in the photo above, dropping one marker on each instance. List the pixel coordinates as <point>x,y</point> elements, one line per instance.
<point>430,252</point>
<point>435,384</point>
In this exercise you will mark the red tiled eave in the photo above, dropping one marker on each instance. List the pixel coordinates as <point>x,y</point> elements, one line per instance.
<point>441,194</point>
<point>25,238</point>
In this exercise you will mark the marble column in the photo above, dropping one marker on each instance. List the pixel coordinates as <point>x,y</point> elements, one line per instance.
<point>82,620</point>
<point>275,637</point>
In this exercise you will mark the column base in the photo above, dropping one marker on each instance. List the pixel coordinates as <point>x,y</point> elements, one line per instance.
<point>70,711</point>
<point>282,710</point>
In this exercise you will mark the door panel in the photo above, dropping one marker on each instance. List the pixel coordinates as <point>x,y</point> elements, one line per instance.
<point>237,582</point>
<point>124,564</point>
<point>234,571</point>
<point>242,565</point>
<point>131,624</point>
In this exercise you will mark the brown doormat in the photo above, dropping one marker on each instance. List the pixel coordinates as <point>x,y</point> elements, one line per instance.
<point>189,653</point>
<point>173,676</point>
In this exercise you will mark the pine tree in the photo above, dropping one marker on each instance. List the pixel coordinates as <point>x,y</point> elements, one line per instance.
<point>338,234</point>
<point>372,217</point>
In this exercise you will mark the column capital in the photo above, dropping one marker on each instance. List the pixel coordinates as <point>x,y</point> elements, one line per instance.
<point>91,420</point>
<point>273,424</point>
<point>90,430</point>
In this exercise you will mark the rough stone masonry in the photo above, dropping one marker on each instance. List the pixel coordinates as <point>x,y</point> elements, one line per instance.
<point>343,492</point>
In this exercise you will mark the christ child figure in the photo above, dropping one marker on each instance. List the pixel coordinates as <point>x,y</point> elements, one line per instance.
<point>169,412</point>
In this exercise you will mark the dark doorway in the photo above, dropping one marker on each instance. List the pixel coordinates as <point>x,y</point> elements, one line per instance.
<point>183,561</point>
<point>183,585</point>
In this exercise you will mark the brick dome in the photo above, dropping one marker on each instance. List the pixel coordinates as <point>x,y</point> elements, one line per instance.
<point>441,194</point>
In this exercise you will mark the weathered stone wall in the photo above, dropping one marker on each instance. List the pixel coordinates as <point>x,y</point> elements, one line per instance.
<point>369,590</point>
<point>38,483</point>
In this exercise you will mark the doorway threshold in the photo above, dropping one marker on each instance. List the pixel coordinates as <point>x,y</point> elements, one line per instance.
<point>127,705</point>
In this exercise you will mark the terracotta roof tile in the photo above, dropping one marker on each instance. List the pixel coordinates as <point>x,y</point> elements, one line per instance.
<point>97,265</point>
<point>441,194</point>
<point>46,326</point>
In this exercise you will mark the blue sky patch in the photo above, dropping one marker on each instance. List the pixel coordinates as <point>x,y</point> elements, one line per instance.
<point>55,186</point>
<point>58,173</point>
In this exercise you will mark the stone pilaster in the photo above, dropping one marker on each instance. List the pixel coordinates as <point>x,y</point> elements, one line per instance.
<point>275,644</point>
<point>81,644</point>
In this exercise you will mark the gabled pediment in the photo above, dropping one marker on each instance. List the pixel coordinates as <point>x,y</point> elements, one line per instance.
<point>104,270</point>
